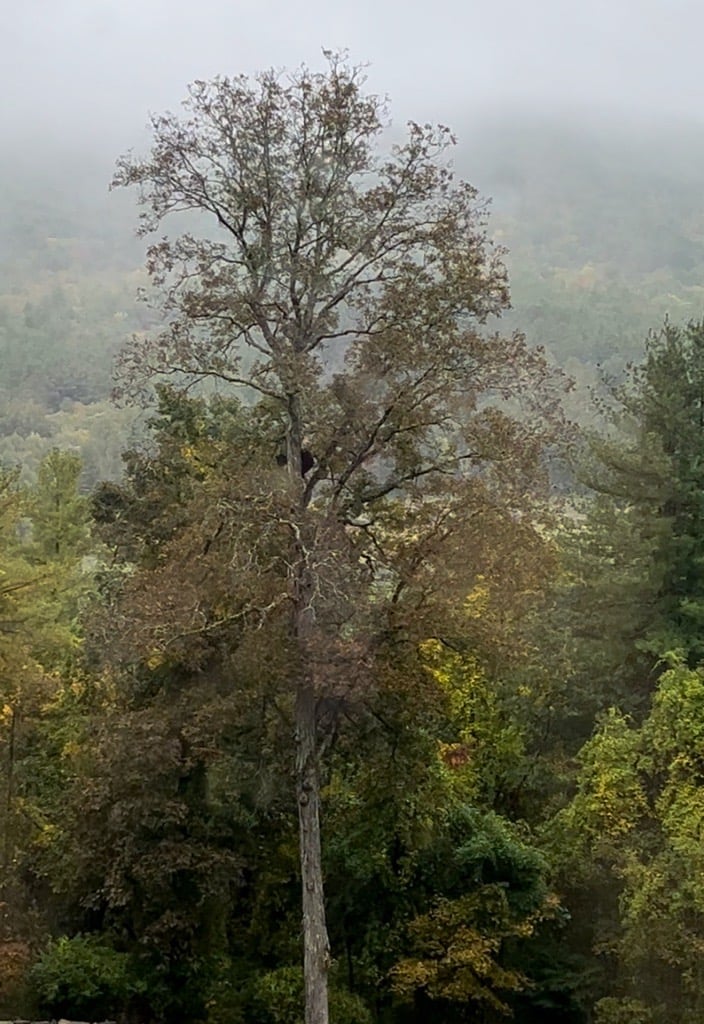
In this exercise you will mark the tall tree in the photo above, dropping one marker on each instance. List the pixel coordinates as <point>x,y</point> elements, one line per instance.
<point>59,511</point>
<point>40,586</point>
<point>654,471</point>
<point>631,836</point>
<point>671,406</point>
<point>347,291</point>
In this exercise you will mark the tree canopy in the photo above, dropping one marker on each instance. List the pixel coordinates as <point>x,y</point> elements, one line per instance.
<point>347,290</point>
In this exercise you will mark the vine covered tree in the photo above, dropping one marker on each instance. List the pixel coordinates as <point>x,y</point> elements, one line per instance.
<point>401,450</point>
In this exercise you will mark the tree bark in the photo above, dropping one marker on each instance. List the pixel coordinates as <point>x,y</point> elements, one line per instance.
<point>316,952</point>
<point>316,949</point>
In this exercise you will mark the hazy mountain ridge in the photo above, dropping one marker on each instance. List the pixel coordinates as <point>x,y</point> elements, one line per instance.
<point>603,225</point>
<point>605,230</point>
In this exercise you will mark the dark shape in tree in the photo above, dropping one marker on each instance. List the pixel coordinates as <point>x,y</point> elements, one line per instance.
<point>307,461</point>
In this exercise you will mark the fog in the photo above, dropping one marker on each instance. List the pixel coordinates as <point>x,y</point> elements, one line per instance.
<point>85,73</point>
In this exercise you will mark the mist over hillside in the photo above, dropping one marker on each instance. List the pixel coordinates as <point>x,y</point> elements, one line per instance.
<point>604,225</point>
<point>601,218</point>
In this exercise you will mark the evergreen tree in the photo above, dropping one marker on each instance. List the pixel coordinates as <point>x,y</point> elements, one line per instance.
<point>659,473</point>
<point>59,512</point>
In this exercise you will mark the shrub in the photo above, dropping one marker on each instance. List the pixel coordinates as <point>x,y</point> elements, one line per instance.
<point>83,975</point>
<point>278,999</point>
<point>622,1011</point>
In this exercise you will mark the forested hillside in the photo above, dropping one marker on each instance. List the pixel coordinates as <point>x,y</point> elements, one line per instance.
<point>362,611</point>
<point>70,269</point>
<point>602,223</point>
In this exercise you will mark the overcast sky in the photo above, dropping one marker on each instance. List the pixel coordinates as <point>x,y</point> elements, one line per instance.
<point>92,69</point>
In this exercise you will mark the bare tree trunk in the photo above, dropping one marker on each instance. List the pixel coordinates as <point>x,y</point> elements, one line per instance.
<point>316,953</point>
<point>316,949</point>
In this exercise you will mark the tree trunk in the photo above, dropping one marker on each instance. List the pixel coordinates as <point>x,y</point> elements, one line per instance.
<point>316,953</point>
<point>316,950</point>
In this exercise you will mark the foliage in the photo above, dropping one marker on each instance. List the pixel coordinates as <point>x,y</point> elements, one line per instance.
<point>344,291</point>
<point>621,1011</point>
<point>85,975</point>
<point>507,688</point>
<point>278,999</point>
<point>637,817</point>
<point>482,886</point>
<point>656,469</point>
<point>15,959</point>
<point>41,706</point>
<point>59,513</point>
<point>143,847</point>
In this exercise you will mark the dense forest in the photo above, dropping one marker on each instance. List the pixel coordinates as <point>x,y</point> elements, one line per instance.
<point>330,572</point>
